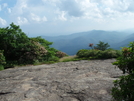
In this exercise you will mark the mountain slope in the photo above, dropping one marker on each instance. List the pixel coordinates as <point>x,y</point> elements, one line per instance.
<point>70,44</point>
<point>126,41</point>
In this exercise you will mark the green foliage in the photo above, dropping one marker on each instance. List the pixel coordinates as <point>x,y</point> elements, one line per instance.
<point>98,54</point>
<point>2,58</point>
<point>72,59</point>
<point>102,46</point>
<point>42,41</point>
<point>11,38</point>
<point>123,88</point>
<point>108,54</point>
<point>126,61</point>
<point>1,67</point>
<point>82,53</point>
<point>53,58</point>
<point>60,54</point>
<point>34,52</point>
<point>12,41</point>
<point>50,54</point>
<point>20,49</point>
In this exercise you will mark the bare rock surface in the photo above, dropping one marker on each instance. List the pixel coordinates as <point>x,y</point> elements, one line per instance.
<point>64,81</point>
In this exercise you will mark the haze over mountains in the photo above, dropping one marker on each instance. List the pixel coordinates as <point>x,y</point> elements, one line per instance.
<point>70,44</point>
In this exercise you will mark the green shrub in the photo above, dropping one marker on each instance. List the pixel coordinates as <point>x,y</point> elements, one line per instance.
<point>60,54</point>
<point>19,49</point>
<point>36,52</point>
<point>126,61</point>
<point>82,53</point>
<point>87,53</point>
<point>53,58</point>
<point>98,54</point>
<point>72,59</point>
<point>2,60</point>
<point>1,67</point>
<point>107,54</point>
<point>11,64</point>
<point>92,53</point>
<point>118,53</point>
<point>123,88</point>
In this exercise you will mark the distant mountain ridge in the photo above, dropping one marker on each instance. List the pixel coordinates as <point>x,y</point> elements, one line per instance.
<point>70,44</point>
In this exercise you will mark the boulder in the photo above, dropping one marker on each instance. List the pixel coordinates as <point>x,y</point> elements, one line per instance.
<point>64,81</point>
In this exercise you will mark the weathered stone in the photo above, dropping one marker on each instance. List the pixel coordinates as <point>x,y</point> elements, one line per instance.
<point>64,81</point>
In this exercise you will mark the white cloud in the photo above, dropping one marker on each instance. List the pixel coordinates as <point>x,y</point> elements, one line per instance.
<point>21,20</point>
<point>62,16</point>
<point>71,7</point>
<point>3,22</point>
<point>9,10</point>
<point>20,7</point>
<point>0,8</point>
<point>5,5</point>
<point>37,18</point>
<point>44,19</point>
<point>118,5</point>
<point>70,13</point>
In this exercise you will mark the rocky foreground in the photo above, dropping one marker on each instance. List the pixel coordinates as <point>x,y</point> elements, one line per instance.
<point>68,81</point>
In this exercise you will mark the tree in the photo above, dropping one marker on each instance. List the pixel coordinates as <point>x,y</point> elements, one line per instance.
<point>102,46</point>
<point>20,49</point>
<point>11,40</point>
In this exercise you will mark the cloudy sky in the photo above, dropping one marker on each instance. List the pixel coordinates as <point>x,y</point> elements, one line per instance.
<point>60,17</point>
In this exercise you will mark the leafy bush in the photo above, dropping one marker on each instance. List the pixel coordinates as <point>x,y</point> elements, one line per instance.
<point>60,54</point>
<point>50,54</point>
<point>1,67</point>
<point>123,88</point>
<point>118,53</point>
<point>82,53</point>
<point>54,58</point>
<point>92,53</point>
<point>107,54</point>
<point>19,49</point>
<point>2,60</point>
<point>126,61</point>
<point>73,59</point>
<point>36,52</point>
<point>98,54</point>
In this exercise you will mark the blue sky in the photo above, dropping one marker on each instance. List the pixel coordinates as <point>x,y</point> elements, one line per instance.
<point>60,17</point>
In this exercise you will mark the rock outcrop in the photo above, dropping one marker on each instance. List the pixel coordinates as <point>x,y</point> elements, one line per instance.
<point>65,81</point>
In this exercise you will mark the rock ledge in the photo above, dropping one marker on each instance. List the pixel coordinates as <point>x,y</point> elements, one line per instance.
<point>68,81</point>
